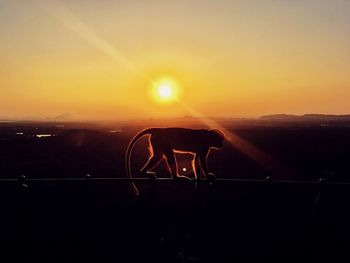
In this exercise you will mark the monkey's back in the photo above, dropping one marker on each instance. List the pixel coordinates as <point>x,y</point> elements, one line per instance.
<point>181,139</point>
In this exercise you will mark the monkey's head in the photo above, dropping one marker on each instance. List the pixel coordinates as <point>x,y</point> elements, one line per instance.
<point>218,138</point>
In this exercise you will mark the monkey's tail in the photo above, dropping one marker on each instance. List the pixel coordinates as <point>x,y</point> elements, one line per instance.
<point>128,154</point>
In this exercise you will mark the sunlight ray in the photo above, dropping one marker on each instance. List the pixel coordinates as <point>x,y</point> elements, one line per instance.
<point>72,22</point>
<point>265,160</point>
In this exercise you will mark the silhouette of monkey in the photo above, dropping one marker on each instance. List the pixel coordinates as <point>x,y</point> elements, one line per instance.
<point>165,141</point>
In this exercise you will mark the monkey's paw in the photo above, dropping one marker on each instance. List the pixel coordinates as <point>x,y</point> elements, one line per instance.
<point>152,175</point>
<point>198,178</point>
<point>211,177</point>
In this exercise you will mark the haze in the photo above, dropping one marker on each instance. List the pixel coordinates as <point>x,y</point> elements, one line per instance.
<point>97,59</point>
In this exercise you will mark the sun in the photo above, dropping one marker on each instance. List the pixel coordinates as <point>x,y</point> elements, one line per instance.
<point>165,90</point>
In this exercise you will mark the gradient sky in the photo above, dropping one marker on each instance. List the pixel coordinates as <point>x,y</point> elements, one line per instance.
<point>96,59</point>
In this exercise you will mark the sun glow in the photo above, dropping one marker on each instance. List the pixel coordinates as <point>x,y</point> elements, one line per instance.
<point>165,90</point>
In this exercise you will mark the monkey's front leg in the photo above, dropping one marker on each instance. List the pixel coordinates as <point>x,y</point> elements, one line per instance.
<point>196,167</point>
<point>204,165</point>
<point>170,157</point>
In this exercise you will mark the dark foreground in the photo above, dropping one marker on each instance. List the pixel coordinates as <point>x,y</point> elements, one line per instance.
<point>100,221</point>
<point>230,221</point>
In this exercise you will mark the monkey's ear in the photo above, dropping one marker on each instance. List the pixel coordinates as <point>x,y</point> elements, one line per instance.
<point>218,132</point>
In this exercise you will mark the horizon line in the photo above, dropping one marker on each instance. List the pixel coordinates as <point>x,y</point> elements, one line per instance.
<point>82,119</point>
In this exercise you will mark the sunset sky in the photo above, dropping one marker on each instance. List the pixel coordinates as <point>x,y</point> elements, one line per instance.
<point>100,59</point>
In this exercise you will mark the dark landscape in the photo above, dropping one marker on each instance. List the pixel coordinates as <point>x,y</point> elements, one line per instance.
<point>309,147</point>
<point>258,216</point>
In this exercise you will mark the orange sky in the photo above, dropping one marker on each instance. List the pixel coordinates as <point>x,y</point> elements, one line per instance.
<point>98,59</point>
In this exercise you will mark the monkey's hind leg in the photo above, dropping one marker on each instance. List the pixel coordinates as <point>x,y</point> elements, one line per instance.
<point>152,161</point>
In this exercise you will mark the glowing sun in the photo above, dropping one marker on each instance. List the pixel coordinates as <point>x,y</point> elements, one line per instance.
<point>165,90</point>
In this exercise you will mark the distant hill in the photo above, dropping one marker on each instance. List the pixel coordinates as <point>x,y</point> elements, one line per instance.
<point>305,117</point>
<point>61,117</point>
<point>64,117</point>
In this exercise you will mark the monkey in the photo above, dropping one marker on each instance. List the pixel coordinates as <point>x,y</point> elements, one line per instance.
<point>164,142</point>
